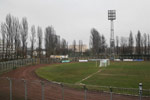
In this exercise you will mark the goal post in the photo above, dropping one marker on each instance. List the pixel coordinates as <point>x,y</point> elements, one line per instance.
<point>100,62</point>
<point>97,62</point>
<point>104,63</point>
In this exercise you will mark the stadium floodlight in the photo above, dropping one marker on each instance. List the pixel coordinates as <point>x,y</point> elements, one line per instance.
<point>111,17</point>
<point>111,14</point>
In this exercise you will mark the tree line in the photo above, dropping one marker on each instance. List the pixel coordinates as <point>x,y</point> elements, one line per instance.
<point>98,43</point>
<point>138,45</point>
<point>77,49</point>
<point>15,36</point>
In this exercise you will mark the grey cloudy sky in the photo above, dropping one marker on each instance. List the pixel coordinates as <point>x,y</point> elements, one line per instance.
<point>73,19</point>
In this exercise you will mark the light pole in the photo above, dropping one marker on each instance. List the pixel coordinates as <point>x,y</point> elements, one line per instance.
<point>112,17</point>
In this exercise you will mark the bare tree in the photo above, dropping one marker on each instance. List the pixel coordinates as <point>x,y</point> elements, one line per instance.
<point>24,36</point>
<point>103,44</point>
<point>55,44</point>
<point>10,34</point>
<point>7,25</point>
<point>80,47</point>
<point>142,45</point>
<point>4,33</point>
<point>17,37</point>
<point>117,45</point>
<point>131,42</point>
<point>138,43</point>
<point>11,41</point>
<point>123,45</point>
<point>58,51</point>
<point>96,42</point>
<point>47,41</point>
<point>64,47</point>
<point>32,39</point>
<point>74,47</point>
<point>145,43</point>
<point>39,33</point>
<point>148,44</point>
<point>50,41</point>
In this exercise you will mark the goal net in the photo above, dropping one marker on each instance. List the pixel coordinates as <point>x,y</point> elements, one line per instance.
<point>104,63</point>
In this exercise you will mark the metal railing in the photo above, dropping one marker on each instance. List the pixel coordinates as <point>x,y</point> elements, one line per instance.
<point>10,65</point>
<point>20,89</point>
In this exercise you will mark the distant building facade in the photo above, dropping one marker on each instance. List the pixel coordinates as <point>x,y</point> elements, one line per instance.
<point>79,48</point>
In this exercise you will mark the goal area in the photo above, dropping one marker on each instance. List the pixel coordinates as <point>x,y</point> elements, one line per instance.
<point>104,63</point>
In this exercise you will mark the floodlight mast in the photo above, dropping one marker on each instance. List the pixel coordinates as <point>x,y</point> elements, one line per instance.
<point>112,17</point>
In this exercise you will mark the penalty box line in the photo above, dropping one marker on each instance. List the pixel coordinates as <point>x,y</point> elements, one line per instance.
<point>80,82</point>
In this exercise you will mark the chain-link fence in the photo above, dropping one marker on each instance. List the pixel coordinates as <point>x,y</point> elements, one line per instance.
<point>10,65</point>
<point>20,89</point>
<point>48,61</point>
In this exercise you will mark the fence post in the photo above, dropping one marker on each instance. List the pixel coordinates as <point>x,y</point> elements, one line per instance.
<point>13,64</point>
<point>62,86</point>
<point>85,92</point>
<point>42,84</point>
<point>25,62</point>
<point>32,61</point>
<point>10,88</point>
<point>21,63</point>
<point>140,90</point>
<point>110,93</point>
<point>6,66</point>
<point>10,65</point>
<point>96,63</point>
<point>25,89</point>
<point>2,67</point>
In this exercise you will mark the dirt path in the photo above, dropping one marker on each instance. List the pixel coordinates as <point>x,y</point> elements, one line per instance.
<point>24,73</point>
<point>51,91</point>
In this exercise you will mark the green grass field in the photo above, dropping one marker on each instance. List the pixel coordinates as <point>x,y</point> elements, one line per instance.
<point>118,74</point>
<point>67,72</point>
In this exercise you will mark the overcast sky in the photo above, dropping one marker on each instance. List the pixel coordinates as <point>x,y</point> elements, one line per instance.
<point>73,19</point>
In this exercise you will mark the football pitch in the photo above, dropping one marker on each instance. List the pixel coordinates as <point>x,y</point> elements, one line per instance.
<point>118,74</point>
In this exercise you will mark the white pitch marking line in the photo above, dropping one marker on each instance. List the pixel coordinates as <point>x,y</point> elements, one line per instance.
<point>80,82</point>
